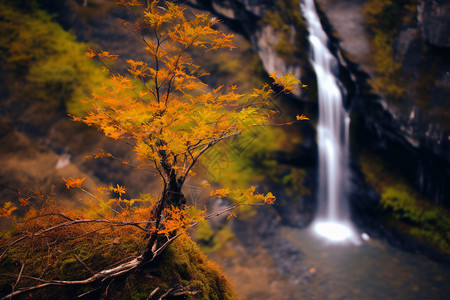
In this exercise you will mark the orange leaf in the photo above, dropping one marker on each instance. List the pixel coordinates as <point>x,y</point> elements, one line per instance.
<point>74,182</point>
<point>220,193</point>
<point>302,117</point>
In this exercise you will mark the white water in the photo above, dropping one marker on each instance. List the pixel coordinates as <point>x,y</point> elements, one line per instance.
<point>332,134</point>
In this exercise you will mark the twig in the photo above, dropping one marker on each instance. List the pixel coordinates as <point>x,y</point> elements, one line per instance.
<point>107,288</point>
<point>84,265</point>
<point>153,293</point>
<point>87,293</point>
<point>165,294</point>
<point>18,278</point>
<point>102,275</point>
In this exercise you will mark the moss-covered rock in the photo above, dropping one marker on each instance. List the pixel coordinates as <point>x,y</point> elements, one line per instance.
<point>403,208</point>
<point>182,268</point>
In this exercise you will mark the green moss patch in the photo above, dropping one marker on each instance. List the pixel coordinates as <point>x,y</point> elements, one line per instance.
<point>284,17</point>
<point>403,207</point>
<point>384,18</point>
<point>182,267</point>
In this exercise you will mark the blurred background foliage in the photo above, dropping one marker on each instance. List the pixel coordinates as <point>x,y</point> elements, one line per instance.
<point>38,50</point>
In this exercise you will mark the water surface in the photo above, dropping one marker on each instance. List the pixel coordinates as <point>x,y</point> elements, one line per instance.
<point>371,270</point>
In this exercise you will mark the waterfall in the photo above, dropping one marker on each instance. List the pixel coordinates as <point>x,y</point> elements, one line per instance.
<point>332,134</point>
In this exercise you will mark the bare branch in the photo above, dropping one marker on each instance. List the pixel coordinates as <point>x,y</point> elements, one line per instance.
<point>84,265</point>
<point>203,150</point>
<point>18,277</point>
<point>153,293</point>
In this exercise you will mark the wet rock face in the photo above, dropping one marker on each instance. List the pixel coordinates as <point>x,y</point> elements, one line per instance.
<point>243,16</point>
<point>235,9</point>
<point>412,132</point>
<point>435,22</point>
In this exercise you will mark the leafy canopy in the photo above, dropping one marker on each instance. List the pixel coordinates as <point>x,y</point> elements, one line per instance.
<point>163,108</point>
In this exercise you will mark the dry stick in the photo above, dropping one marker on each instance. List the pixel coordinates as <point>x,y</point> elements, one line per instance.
<point>185,291</point>
<point>165,294</point>
<point>87,293</point>
<point>46,215</point>
<point>107,288</point>
<point>84,265</point>
<point>122,260</point>
<point>12,244</point>
<point>153,293</point>
<point>102,275</point>
<point>18,278</point>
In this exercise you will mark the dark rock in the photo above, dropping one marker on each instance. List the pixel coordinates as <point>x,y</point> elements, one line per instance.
<point>243,16</point>
<point>435,22</point>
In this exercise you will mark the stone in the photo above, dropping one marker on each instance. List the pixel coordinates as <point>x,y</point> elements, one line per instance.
<point>434,18</point>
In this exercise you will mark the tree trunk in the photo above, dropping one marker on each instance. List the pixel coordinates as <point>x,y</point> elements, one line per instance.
<point>171,196</point>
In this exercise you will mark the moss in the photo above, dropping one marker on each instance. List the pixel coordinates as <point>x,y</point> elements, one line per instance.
<point>384,18</point>
<point>284,17</point>
<point>181,265</point>
<point>193,269</point>
<point>294,181</point>
<point>403,207</point>
<point>211,240</point>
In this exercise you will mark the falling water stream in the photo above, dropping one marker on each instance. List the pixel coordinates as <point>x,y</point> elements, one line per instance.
<point>333,136</point>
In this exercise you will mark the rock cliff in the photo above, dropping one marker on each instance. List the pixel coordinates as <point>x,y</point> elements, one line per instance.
<point>434,22</point>
<point>411,129</point>
<point>246,17</point>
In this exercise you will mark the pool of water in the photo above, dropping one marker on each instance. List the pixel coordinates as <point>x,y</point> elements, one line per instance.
<point>371,270</point>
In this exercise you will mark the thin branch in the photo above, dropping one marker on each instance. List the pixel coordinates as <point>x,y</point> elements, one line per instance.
<point>87,293</point>
<point>153,293</point>
<point>46,215</point>
<point>12,244</point>
<point>203,150</point>
<point>165,294</point>
<point>18,277</point>
<point>84,265</point>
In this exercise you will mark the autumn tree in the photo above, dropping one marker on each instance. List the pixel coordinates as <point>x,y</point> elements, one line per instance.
<point>163,110</point>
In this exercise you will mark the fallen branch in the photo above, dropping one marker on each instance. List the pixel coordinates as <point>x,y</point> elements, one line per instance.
<point>153,293</point>
<point>100,276</point>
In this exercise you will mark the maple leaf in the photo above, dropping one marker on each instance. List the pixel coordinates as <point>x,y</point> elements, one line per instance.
<point>24,201</point>
<point>91,53</point>
<point>288,81</point>
<point>7,209</point>
<point>118,189</point>
<point>301,117</point>
<point>74,182</point>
